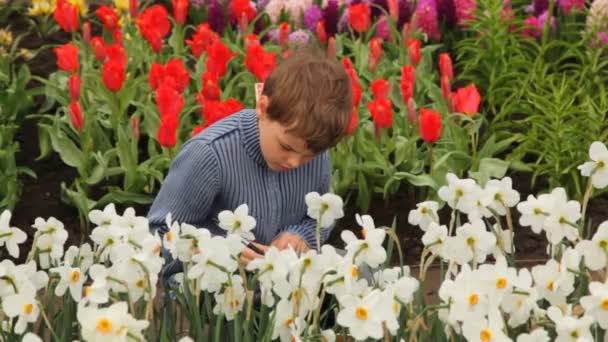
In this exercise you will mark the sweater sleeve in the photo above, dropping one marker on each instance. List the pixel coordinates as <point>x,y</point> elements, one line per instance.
<point>189,189</point>
<point>306,229</point>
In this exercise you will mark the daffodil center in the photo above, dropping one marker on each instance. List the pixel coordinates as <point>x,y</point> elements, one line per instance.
<point>574,334</point>
<point>471,241</point>
<point>537,211</point>
<point>601,164</point>
<point>104,325</point>
<point>459,193</point>
<point>75,276</point>
<point>605,304</point>
<point>473,299</point>
<point>361,313</point>
<point>501,283</point>
<point>169,236</point>
<point>28,308</point>
<point>424,211</point>
<point>485,335</point>
<point>550,285</point>
<point>140,283</point>
<point>354,271</point>
<point>603,244</point>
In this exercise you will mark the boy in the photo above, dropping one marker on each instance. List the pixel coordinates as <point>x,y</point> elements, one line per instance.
<point>268,158</point>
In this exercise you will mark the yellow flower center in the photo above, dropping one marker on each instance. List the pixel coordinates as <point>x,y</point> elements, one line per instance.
<point>354,271</point>
<point>363,233</point>
<point>459,193</point>
<point>104,325</point>
<point>485,335</point>
<point>157,249</point>
<point>424,211</point>
<point>395,307</point>
<point>501,283</point>
<point>288,322</point>
<point>471,241</point>
<point>574,334</point>
<point>473,299</point>
<point>140,283</point>
<point>603,244</point>
<point>87,291</point>
<point>169,236</point>
<point>75,276</point>
<point>28,308</point>
<point>361,313</point>
<point>605,304</point>
<point>550,285</point>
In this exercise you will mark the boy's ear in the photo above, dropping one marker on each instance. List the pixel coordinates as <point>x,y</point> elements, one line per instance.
<point>262,106</point>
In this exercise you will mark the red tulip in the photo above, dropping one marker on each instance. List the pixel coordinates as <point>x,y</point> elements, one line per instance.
<point>214,111</point>
<point>168,101</point>
<point>133,11</point>
<point>251,39</point>
<point>238,8</point>
<point>320,31</point>
<point>86,32</point>
<point>154,26</point>
<point>381,112</point>
<point>393,10</point>
<point>116,52</point>
<point>446,88</point>
<point>466,100</point>
<point>117,36</point>
<point>74,87</point>
<point>218,56</point>
<point>259,62</point>
<point>202,39</point>
<point>180,11</point>
<point>67,57</point>
<point>445,66</point>
<point>283,33</point>
<point>66,16</point>
<point>211,90</point>
<point>413,47</point>
<point>380,88</point>
<point>354,120</point>
<point>76,116</point>
<point>99,48</point>
<point>359,17</point>
<point>108,17</point>
<point>331,48</point>
<point>113,74</point>
<point>408,82</point>
<point>167,131</point>
<point>375,52</point>
<point>429,125</point>
<point>411,111</point>
<point>173,74</point>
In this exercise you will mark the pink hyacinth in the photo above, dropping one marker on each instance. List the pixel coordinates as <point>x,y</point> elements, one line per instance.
<point>465,10</point>
<point>425,17</point>
<point>567,6</point>
<point>535,25</point>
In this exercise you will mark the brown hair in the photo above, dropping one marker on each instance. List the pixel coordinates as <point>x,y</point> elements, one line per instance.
<point>311,95</point>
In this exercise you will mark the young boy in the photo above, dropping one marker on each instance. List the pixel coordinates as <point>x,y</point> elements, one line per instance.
<point>268,158</point>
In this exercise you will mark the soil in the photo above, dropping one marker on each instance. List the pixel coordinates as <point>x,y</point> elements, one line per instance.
<point>41,197</point>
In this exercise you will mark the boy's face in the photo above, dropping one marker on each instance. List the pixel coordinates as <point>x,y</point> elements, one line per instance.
<point>281,150</point>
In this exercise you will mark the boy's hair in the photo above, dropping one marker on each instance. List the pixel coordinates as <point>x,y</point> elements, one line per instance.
<point>311,95</point>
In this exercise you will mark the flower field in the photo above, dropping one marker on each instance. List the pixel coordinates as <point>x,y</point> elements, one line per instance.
<point>476,151</point>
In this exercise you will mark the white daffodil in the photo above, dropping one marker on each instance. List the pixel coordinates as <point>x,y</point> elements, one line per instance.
<point>98,291</point>
<point>597,168</point>
<point>569,328</point>
<point>238,222</point>
<point>388,276</point>
<point>345,280</point>
<point>475,240</point>
<point>499,279</point>
<point>230,301</point>
<point>28,272</point>
<point>538,335</point>
<point>368,250</point>
<point>171,237</point>
<point>272,267</point>
<point>534,212</point>
<point>70,277</point>
<point>477,205</point>
<point>596,250</point>
<point>326,208</point>
<point>485,330</point>
<point>521,300</point>
<point>108,324</point>
<point>500,195</point>
<point>104,218</point>
<point>363,316</point>
<point>214,261</point>
<point>562,219</point>
<point>130,220</point>
<point>404,289</point>
<point>108,239</point>
<point>596,304</point>
<point>458,193</point>
<point>424,214</point>
<point>553,282</point>
<point>189,240</point>
<point>470,299</point>
<point>434,239</point>
<point>22,305</point>
<point>10,237</point>
<point>31,337</point>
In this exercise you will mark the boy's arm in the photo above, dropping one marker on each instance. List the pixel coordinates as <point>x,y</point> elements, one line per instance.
<point>189,188</point>
<point>306,229</point>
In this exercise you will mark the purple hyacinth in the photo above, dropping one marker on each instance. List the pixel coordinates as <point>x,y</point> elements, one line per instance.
<point>405,12</point>
<point>312,15</point>
<point>262,4</point>
<point>540,6</point>
<point>425,17</point>
<point>330,16</point>
<point>216,17</point>
<point>375,6</point>
<point>447,10</point>
<point>343,22</point>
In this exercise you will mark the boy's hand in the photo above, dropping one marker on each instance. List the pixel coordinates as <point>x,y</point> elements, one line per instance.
<point>248,254</point>
<point>284,240</point>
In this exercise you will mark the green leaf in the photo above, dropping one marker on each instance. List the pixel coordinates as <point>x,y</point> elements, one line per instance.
<point>489,168</point>
<point>125,197</point>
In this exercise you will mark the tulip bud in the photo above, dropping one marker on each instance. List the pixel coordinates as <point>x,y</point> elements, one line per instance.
<point>133,11</point>
<point>135,127</point>
<point>74,87</point>
<point>321,33</point>
<point>411,111</point>
<point>331,48</point>
<point>76,116</point>
<point>86,32</point>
